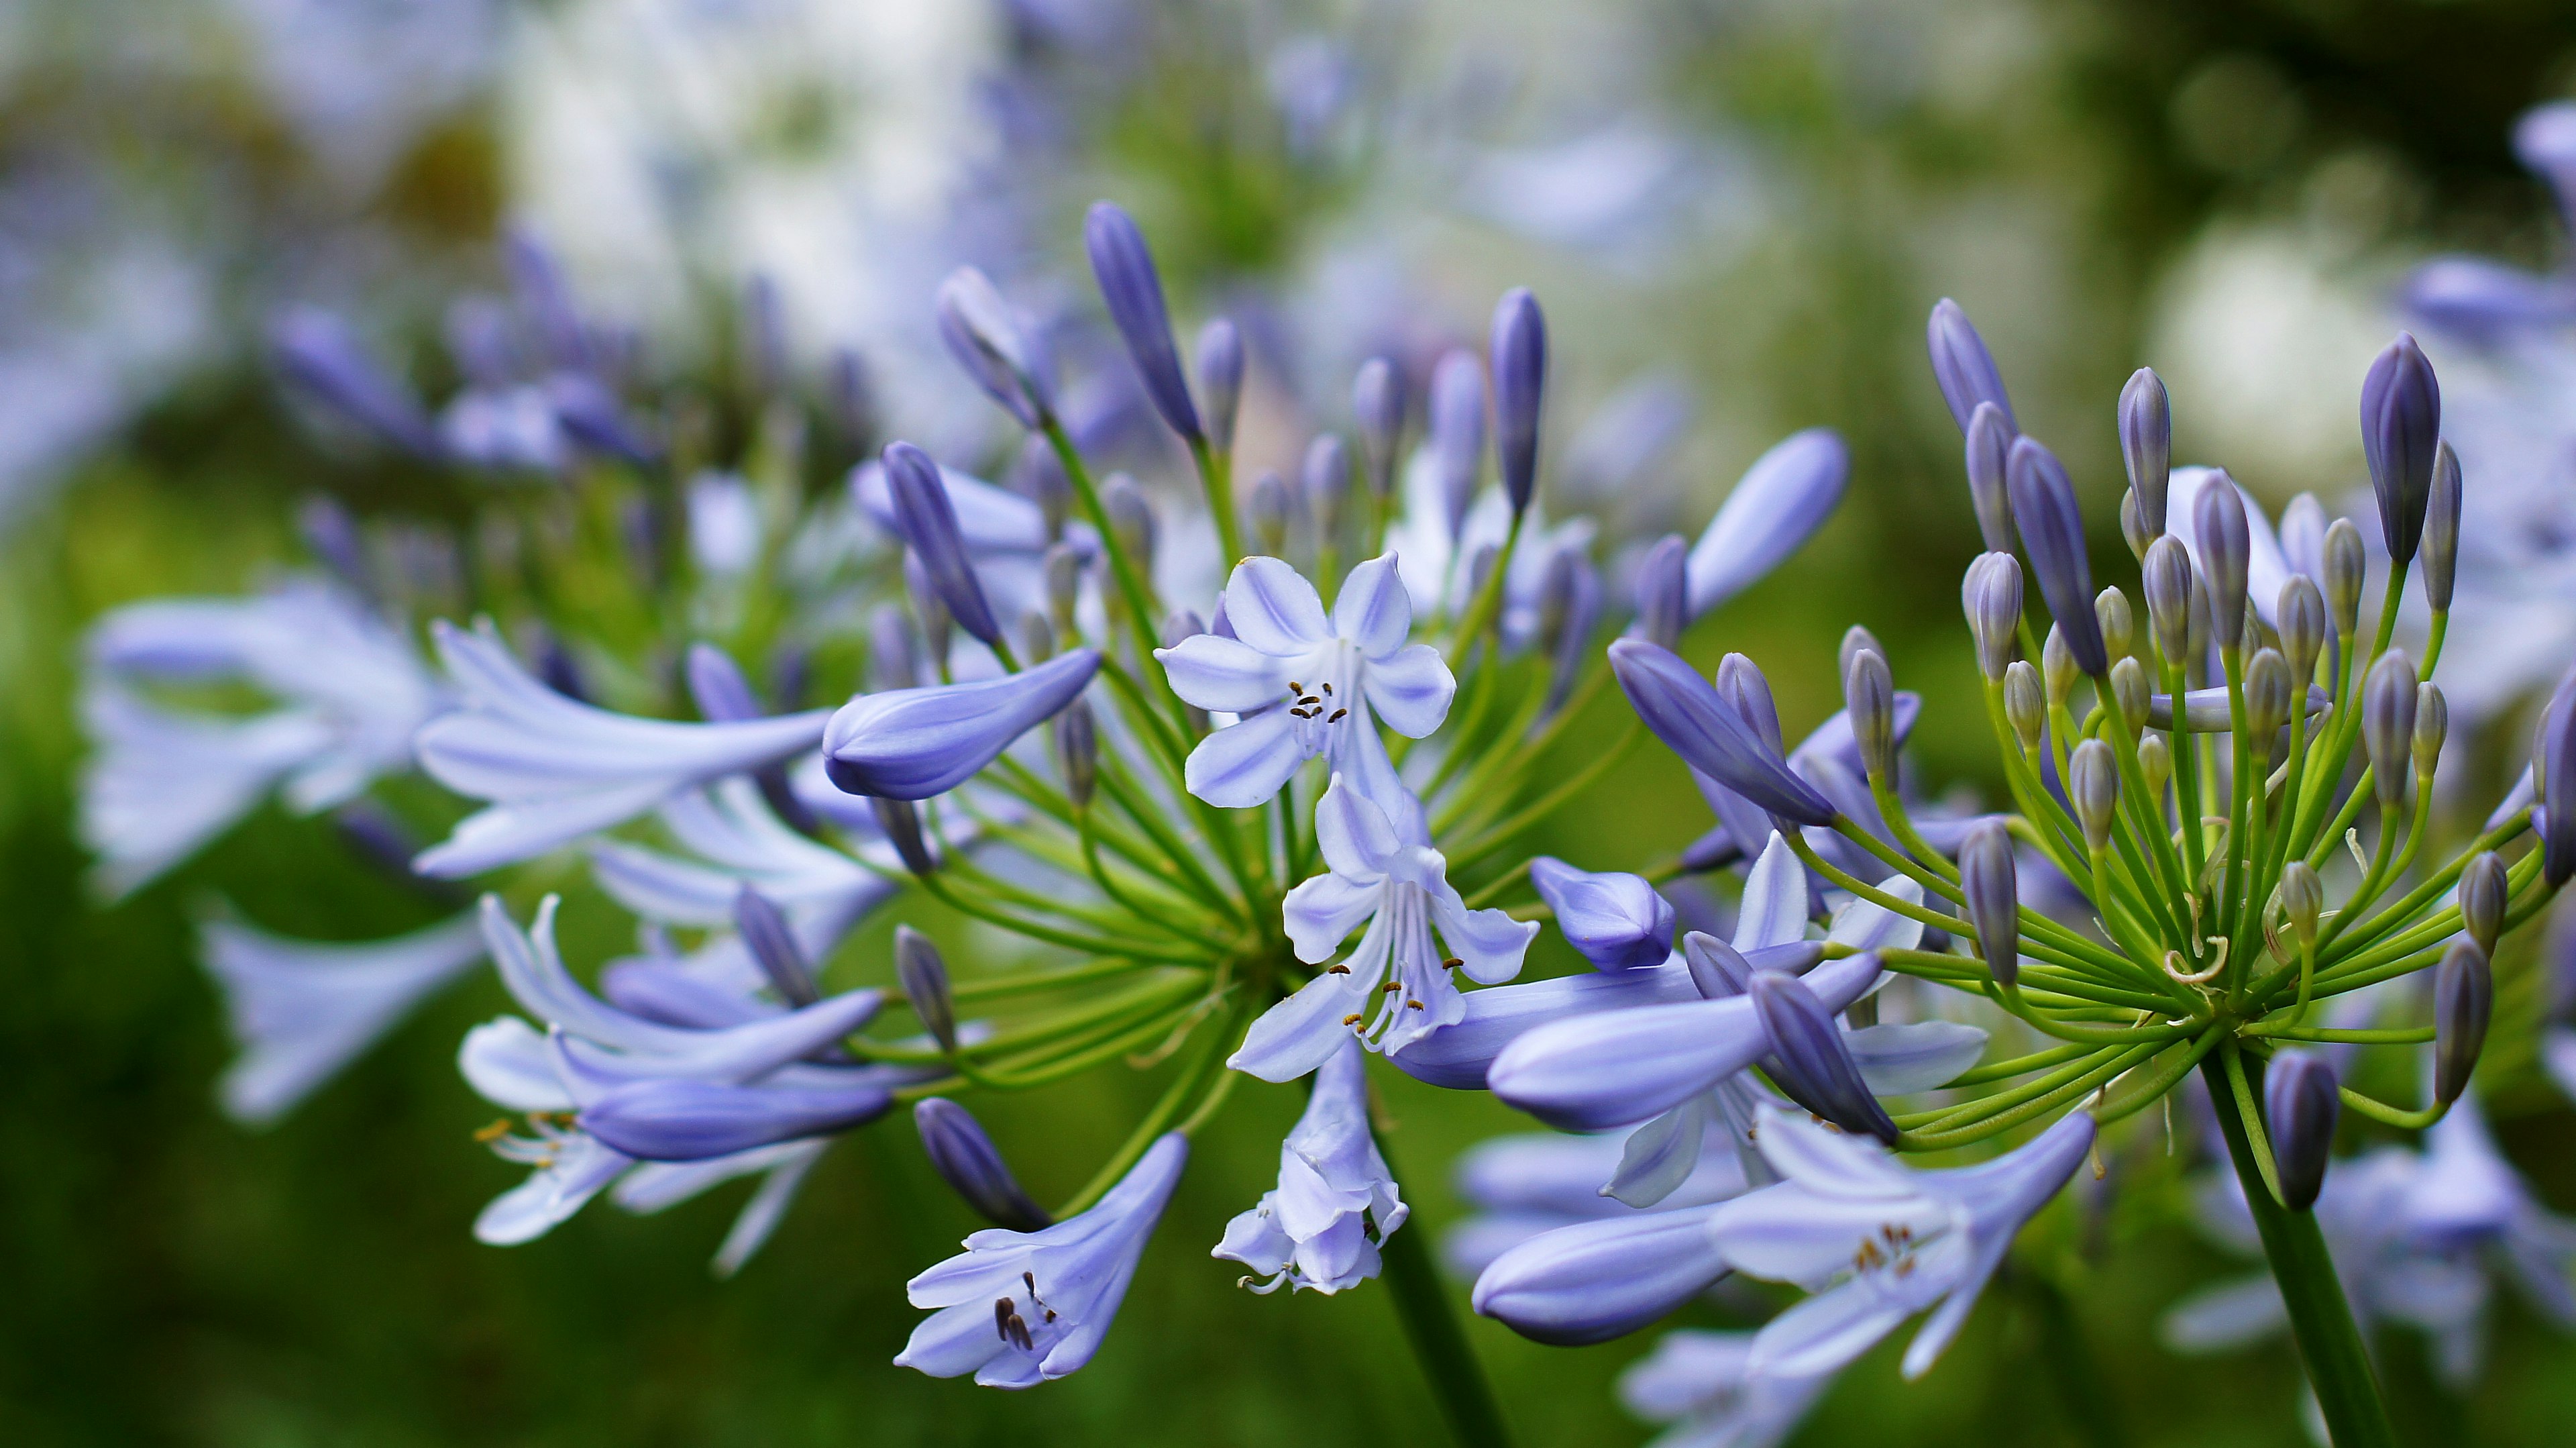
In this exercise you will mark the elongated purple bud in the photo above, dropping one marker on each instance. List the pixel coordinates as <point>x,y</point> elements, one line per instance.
<point>773,946</point>
<point>2347,569</point>
<point>2300,1107</point>
<point>1990,439</point>
<point>1131,522</point>
<point>318,354</point>
<point>2557,770</point>
<point>1074,736</point>
<point>1869,699</point>
<point>1993,603</point>
<point>914,743</point>
<point>1816,1062</point>
<point>2146,444</point>
<point>2463,1003</point>
<point>2401,420</point>
<point>967,1160</point>
<point>2226,551</point>
<point>1963,366</point>
<point>900,823</point>
<point>717,685</point>
<point>1593,1281</point>
<point>1220,367</point>
<point>996,346</point>
<point>332,536</point>
<point>1133,290</point>
<point>1038,475</point>
<point>1518,357</point>
<point>2303,535</point>
<point>1457,430</point>
<point>1268,512</point>
<point>1742,684</point>
<point>2301,615</point>
<point>924,977</point>
<point>1990,879</point>
<point>2303,899</point>
<point>1327,477</point>
<point>2484,893</point>
<point>2267,696</point>
<point>1616,921</point>
<point>685,1120</point>
<point>929,523</point>
<point>2432,726</point>
<point>2388,724</point>
<point>1377,402</point>
<point>1684,711</point>
<point>2025,703</point>
<point>1663,604</point>
<point>2093,787</point>
<point>890,661</point>
<point>2052,533</point>
<point>2442,530</point>
<point>2165,577</point>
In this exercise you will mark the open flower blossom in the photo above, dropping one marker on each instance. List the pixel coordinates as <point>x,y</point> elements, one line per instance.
<point>554,770</point>
<point>1703,1384</point>
<point>1019,1308</point>
<point>1308,685</point>
<point>1336,1200</point>
<point>1878,1242</point>
<point>1394,986</point>
<point>349,690</point>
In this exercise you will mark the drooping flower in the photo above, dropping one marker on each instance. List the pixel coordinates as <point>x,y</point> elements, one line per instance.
<point>1703,1384</point>
<point>554,770</point>
<point>1336,1200</point>
<point>1019,1308</point>
<point>1308,685</point>
<point>1394,987</point>
<point>1877,1242</point>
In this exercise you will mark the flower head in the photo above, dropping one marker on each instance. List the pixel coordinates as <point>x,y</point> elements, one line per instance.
<point>1336,1200</point>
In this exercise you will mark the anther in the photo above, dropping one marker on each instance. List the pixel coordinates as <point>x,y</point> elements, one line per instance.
<point>1452,963</point>
<point>1337,716</point>
<point>1328,691</point>
<point>1337,970</point>
<point>1413,1005</point>
<point>1391,987</point>
<point>493,1132</point>
<point>1352,1019</point>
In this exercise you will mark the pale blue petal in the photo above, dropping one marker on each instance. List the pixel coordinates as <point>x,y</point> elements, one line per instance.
<point>1896,1060</point>
<point>1782,499</point>
<point>1214,672</point>
<point>1274,609</point>
<point>1373,610</point>
<point>1410,689</point>
<point>1244,765</point>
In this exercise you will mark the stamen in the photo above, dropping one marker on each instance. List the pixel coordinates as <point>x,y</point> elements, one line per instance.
<point>1296,688</point>
<point>1413,1005</point>
<point>1337,970</point>
<point>1337,716</point>
<point>1328,691</point>
<point>1352,1019</point>
<point>493,1132</point>
<point>1391,987</point>
<point>1452,963</point>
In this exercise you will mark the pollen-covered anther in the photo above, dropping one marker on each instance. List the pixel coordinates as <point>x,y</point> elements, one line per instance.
<point>494,1132</point>
<point>1337,970</point>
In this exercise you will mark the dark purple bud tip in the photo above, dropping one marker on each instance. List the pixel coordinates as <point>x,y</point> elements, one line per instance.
<point>2401,421</point>
<point>1990,439</point>
<point>1685,711</point>
<point>1124,267</point>
<point>1663,604</point>
<point>2052,533</point>
<point>2300,1107</point>
<point>1963,366</point>
<point>967,1160</point>
<point>2484,892</point>
<point>2557,769</point>
<point>2463,1003</point>
<point>2226,553</point>
<point>2146,444</point>
<point>774,947</point>
<point>318,354</point>
<point>900,823</point>
<point>1990,879</point>
<point>1816,1065</point>
<point>929,523</point>
<point>2442,530</point>
<point>924,975</point>
<point>1518,358</point>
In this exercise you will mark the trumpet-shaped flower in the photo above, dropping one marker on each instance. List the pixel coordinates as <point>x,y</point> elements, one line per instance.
<point>1877,1242</point>
<point>1306,684</point>
<point>1336,1200</point>
<point>302,1009</point>
<point>554,770</point>
<point>1703,1383</point>
<point>914,743</point>
<point>1394,987</point>
<point>1018,1308</point>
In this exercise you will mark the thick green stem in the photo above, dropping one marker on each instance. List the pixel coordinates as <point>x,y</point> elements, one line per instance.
<point>2329,1342</point>
<point>1439,1339</point>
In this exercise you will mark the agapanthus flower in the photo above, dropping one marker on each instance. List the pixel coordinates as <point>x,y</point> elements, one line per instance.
<point>1704,1385</point>
<point>1336,1200</point>
<point>1529,1183</point>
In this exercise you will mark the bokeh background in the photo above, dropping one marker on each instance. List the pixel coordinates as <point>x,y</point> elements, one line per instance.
<point>1749,204</point>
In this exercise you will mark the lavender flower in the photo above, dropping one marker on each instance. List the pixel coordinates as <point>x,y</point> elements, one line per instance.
<point>1686,713</point>
<point>2401,421</point>
<point>1616,921</point>
<point>910,744</point>
<point>967,1160</point>
<point>1963,366</point>
<point>1124,267</point>
<point>996,346</point>
<point>1519,354</point>
<point>1703,1384</point>
<point>1777,505</point>
<point>929,525</point>
<point>1336,1200</point>
<point>1598,1280</point>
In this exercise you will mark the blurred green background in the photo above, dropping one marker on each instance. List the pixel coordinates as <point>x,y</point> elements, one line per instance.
<point>2074,173</point>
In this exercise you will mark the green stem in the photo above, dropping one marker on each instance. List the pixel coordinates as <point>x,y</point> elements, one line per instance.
<point>2329,1342</point>
<point>1439,1339</point>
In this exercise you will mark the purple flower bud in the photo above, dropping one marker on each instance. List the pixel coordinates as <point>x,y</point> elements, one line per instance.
<point>1037,474</point>
<point>1616,921</point>
<point>2025,705</point>
<point>924,977</point>
<point>2432,726</point>
<point>1074,736</point>
<point>2052,533</point>
<point>1131,521</point>
<point>1327,477</point>
<point>2301,614</point>
<point>2388,724</point>
<point>914,743</point>
<point>1869,698</point>
<point>591,415</point>
<point>717,685</point>
<point>764,337</point>
<point>2401,420</point>
<point>2267,696</point>
<point>1663,605</point>
<point>1817,1066</point>
<point>1777,505</point>
<point>1377,401</point>
<point>332,535</point>
<point>900,823</point>
<point>890,661</point>
<point>317,353</point>
<point>1268,510</point>
<point>2146,444</point>
<point>1963,366</point>
<point>1741,683</point>
<point>772,943</point>
<point>1220,365</point>
<point>2299,1110</point>
<point>1457,430</point>
<point>2557,770</point>
<point>2347,569</point>
<point>2442,530</point>
<point>1061,568</point>
<point>2119,622</point>
<point>2303,899</point>
<point>2484,891</point>
<point>2463,1001</point>
<point>852,394</point>
<point>1990,880</point>
<point>685,1120</point>
<point>1717,968</point>
<point>996,346</point>
<point>929,524</point>
<point>967,1160</point>
<point>1124,267</point>
<point>1594,1281</point>
<point>1518,354</point>
<point>1684,711</point>
<point>2225,553</point>
<point>1990,439</point>
<point>1993,603</point>
<point>2093,787</point>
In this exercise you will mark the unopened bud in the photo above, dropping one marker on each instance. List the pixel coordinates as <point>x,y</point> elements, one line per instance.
<point>2155,762</point>
<point>2130,691</point>
<point>2388,724</point>
<point>1075,736</point>
<point>924,977</point>
<point>901,825</point>
<point>1742,684</point>
<point>2267,699</point>
<point>1328,482</point>
<point>1663,603</point>
<point>2133,529</point>
<point>1990,438</point>
<point>774,948</point>
<point>2432,726</point>
<point>2196,648</point>
<point>929,609</point>
<point>2441,553</point>
<point>2483,896</point>
<point>2119,622</point>
<point>1855,639</point>
<point>1269,509</point>
<point>890,661</point>
<point>1062,567</point>
<point>1869,697</point>
<point>2463,1002</point>
<point>1131,521</point>
<point>2226,550</point>
<point>2302,616</point>
<point>1556,585</point>
<point>2093,784</point>
<point>967,1160</point>
<point>2347,568</point>
<point>1992,596</point>
<point>1037,638</point>
<point>2300,1107</point>
<point>2024,706</point>
<point>1717,970</point>
<point>1988,877</point>
<point>1039,477</point>
<point>1220,369</point>
<point>2057,667</point>
<point>2146,444</point>
<point>1817,1063</point>
<point>2303,899</point>
<point>1377,400</point>
<point>2166,578</point>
